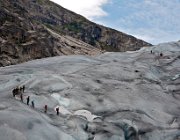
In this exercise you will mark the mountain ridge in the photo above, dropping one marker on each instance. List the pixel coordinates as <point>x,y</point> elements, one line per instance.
<point>24,33</point>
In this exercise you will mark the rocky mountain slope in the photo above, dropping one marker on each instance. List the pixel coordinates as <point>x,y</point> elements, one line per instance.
<point>113,96</point>
<point>31,29</point>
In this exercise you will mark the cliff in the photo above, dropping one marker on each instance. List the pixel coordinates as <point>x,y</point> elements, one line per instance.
<point>35,29</point>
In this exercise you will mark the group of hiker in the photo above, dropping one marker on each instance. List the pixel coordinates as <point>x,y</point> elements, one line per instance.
<point>20,90</point>
<point>161,54</point>
<point>46,108</point>
<point>27,101</point>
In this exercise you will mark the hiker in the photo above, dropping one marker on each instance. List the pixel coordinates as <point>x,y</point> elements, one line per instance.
<point>57,110</point>
<point>14,92</point>
<point>23,88</point>
<point>28,98</point>
<point>86,127</point>
<point>21,96</point>
<point>161,54</point>
<point>151,51</point>
<point>45,109</point>
<point>32,103</point>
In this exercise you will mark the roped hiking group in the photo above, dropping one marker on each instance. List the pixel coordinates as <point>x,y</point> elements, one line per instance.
<point>18,91</point>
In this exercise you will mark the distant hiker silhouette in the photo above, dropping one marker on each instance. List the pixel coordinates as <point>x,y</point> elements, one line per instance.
<point>151,52</point>
<point>23,88</point>
<point>21,96</point>
<point>32,103</point>
<point>28,98</point>
<point>14,92</point>
<point>86,127</point>
<point>57,110</point>
<point>161,54</point>
<point>45,108</point>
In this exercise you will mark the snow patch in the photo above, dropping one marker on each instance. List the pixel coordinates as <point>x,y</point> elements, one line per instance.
<point>176,77</point>
<point>61,100</point>
<point>87,114</point>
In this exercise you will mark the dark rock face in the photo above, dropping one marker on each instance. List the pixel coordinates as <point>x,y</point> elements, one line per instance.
<point>21,41</point>
<point>69,23</point>
<point>27,31</point>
